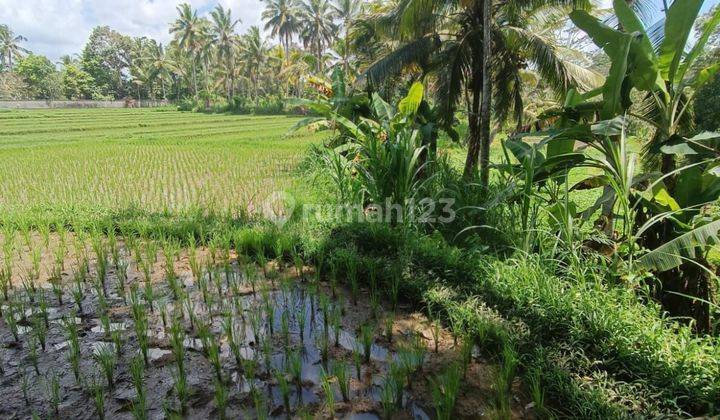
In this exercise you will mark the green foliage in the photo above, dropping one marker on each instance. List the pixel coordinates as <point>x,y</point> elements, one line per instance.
<point>40,75</point>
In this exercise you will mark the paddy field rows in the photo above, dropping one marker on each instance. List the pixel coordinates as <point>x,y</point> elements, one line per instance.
<point>66,163</point>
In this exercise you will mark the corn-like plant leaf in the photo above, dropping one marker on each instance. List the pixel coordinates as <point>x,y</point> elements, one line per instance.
<point>673,253</point>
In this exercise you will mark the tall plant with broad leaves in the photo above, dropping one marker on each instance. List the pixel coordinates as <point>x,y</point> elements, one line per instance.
<point>383,154</point>
<point>667,227</point>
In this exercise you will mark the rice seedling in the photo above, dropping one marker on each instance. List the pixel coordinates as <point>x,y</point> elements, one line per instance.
<point>298,263</point>
<point>397,375</point>
<point>78,291</point>
<point>466,353</point>
<point>177,342</point>
<point>137,375</point>
<point>435,329</point>
<point>106,359</point>
<point>302,320</point>
<point>149,292</point>
<point>336,324</point>
<point>295,367</point>
<point>104,320</point>
<point>140,321</point>
<point>411,357</point>
<point>210,348</point>
<point>324,346</point>
<point>267,351</point>
<point>122,273</point>
<point>445,388</point>
<point>284,386</point>
<point>25,386</point>
<point>117,339</point>
<point>98,394</point>
<point>11,320</point>
<point>221,395</point>
<point>250,366</point>
<point>340,370</point>
<point>327,392</point>
<point>357,358</point>
<point>55,281</point>
<point>366,338</point>
<point>389,322</point>
<point>285,328</point>
<point>33,355</point>
<point>228,327</point>
<point>170,252</point>
<point>189,304</point>
<point>537,393</point>
<point>261,406</point>
<point>53,392</point>
<point>504,378</point>
<point>251,277</point>
<point>73,338</point>
<point>388,393</point>
<point>2,362</point>
<point>325,310</point>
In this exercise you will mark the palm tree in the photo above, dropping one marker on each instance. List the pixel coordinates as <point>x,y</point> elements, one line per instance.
<point>446,40</point>
<point>10,49</point>
<point>254,56</point>
<point>188,30</point>
<point>318,28</point>
<point>346,11</point>
<point>224,39</point>
<point>281,19</point>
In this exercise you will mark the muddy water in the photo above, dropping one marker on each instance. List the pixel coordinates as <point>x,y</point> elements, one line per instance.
<point>26,392</point>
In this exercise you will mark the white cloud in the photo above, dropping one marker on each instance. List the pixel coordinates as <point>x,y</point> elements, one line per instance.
<point>58,27</point>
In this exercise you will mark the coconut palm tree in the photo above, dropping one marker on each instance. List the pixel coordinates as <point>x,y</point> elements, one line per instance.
<point>281,19</point>
<point>188,28</point>
<point>10,49</point>
<point>224,39</point>
<point>346,11</point>
<point>254,56</point>
<point>318,27</point>
<point>446,40</point>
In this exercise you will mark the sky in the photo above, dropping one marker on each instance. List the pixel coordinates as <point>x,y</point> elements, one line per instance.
<point>58,27</point>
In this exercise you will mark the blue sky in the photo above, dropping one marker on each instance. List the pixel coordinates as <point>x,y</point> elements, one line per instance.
<point>58,27</point>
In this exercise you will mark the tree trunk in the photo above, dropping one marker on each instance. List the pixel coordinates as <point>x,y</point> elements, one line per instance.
<point>194,74</point>
<point>681,285</point>
<point>471,161</point>
<point>486,138</point>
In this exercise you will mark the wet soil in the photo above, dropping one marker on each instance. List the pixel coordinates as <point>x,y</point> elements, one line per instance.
<point>267,313</point>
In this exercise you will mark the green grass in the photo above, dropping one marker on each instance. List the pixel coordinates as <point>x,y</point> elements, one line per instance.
<point>96,162</point>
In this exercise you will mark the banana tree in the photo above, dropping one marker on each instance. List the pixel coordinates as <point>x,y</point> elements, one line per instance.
<point>665,209</point>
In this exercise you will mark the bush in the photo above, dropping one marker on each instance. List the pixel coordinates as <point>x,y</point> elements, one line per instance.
<point>619,355</point>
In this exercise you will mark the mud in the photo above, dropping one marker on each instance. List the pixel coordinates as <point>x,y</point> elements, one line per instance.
<point>293,297</point>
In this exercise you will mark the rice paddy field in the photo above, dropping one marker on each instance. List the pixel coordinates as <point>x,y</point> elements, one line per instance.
<point>90,162</point>
<point>97,321</point>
